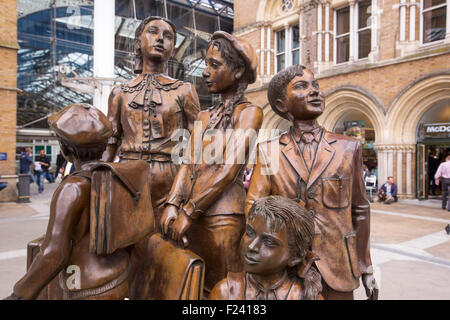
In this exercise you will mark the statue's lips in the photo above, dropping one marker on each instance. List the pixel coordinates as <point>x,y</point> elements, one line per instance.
<point>159,48</point>
<point>315,102</point>
<point>250,260</point>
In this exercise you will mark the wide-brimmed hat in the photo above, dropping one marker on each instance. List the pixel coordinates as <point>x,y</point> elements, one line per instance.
<point>245,50</point>
<point>81,124</point>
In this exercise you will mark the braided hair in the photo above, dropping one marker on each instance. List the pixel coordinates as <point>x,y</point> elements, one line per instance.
<point>299,224</point>
<point>233,59</point>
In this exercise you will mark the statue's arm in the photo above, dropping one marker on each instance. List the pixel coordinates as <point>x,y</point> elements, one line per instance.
<point>361,213</point>
<point>114,102</point>
<point>191,106</point>
<point>260,183</point>
<point>210,185</point>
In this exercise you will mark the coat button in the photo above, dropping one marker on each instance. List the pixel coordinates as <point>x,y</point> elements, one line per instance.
<point>311,194</point>
<point>312,213</point>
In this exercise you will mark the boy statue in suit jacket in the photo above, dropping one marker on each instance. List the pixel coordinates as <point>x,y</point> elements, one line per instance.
<point>322,171</point>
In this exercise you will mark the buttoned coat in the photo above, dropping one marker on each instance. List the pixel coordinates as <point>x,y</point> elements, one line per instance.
<point>334,193</point>
<point>216,188</point>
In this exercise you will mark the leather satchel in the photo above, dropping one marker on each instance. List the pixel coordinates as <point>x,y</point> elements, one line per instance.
<point>121,207</point>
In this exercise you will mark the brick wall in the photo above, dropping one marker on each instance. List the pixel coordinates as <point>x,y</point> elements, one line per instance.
<point>8,95</point>
<point>379,81</point>
<point>245,13</point>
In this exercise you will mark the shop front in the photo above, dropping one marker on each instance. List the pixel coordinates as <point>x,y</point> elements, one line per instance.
<point>432,147</point>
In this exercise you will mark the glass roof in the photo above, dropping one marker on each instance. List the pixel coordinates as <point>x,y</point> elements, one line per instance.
<point>52,37</point>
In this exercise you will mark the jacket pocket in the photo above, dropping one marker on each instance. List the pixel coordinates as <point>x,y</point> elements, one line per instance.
<point>336,192</point>
<point>350,245</point>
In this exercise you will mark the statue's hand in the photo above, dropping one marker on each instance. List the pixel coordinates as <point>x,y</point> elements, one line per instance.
<point>168,217</point>
<point>180,226</point>
<point>371,286</point>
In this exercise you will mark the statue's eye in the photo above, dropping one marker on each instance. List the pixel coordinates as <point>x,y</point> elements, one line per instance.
<point>250,232</point>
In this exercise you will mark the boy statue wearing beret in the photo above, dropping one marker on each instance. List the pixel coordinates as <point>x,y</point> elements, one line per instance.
<point>83,132</point>
<point>322,171</point>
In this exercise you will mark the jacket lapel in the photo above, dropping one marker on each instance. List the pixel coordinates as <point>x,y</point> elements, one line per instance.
<point>292,154</point>
<point>324,155</point>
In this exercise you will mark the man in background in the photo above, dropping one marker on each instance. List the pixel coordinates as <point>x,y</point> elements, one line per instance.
<point>443,174</point>
<point>388,191</point>
<point>45,165</point>
<point>26,160</point>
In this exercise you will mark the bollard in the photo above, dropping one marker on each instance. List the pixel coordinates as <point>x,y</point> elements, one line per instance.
<point>24,188</point>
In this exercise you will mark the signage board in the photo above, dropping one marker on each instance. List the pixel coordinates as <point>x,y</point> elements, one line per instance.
<point>436,130</point>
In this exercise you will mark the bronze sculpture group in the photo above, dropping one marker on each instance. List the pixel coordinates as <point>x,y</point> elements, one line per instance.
<point>150,228</point>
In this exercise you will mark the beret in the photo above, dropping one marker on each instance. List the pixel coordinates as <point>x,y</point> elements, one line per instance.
<point>245,50</point>
<point>81,124</point>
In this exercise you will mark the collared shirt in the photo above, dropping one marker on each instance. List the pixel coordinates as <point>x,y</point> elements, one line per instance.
<point>443,171</point>
<point>149,110</point>
<point>279,291</point>
<point>308,150</point>
<point>388,189</point>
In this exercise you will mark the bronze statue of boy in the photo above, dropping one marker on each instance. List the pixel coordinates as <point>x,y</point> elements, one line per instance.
<point>322,171</point>
<point>275,248</point>
<point>83,132</point>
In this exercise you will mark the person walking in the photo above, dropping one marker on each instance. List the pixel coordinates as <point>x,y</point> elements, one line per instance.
<point>59,164</point>
<point>26,160</point>
<point>45,165</point>
<point>443,174</point>
<point>38,175</point>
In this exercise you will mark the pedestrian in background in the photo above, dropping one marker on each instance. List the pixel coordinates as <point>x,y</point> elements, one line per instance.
<point>45,165</point>
<point>443,174</point>
<point>59,164</point>
<point>26,161</point>
<point>388,191</point>
<point>38,176</point>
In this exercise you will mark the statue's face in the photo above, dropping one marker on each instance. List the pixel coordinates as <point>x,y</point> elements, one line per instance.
<point>303,101</point>
<point>157,41</point>
<point>264,252</point>
<point>218,75</point>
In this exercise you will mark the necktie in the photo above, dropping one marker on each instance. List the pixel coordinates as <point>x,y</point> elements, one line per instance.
<point>308,148</point>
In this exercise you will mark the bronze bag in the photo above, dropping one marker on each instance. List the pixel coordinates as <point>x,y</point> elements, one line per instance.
<point>171,272</point>
<point>121,206</point>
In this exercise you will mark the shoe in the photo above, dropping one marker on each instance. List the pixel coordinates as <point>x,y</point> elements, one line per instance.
<point>12,297</point>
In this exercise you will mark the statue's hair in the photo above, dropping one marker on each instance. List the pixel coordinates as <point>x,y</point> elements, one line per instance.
<point>137,40</point>
<point>235,61</point>
<point>299,224</point>
<point>278,84</point>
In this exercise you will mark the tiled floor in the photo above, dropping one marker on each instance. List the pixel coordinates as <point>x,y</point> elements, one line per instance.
<point>409,247</point>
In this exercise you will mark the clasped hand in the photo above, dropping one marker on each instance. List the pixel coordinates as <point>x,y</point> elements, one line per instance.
<point>174,224</point>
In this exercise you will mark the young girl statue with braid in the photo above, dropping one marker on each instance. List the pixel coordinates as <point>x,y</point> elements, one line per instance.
<point>278,262</point>
<point>206,202</point>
